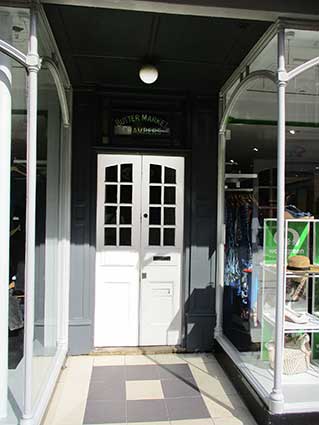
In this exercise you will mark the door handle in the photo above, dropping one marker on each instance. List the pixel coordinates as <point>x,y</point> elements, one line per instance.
<point>144,275</point>
<point>145,215</point>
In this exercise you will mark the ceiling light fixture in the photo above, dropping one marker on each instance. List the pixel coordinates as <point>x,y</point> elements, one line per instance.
<point>255,149</point>
<point>148,74</point>
<point>292,131</point>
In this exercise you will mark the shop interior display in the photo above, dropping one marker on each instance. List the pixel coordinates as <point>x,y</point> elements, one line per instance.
<point>297,354</point>
<point>301,322</point>
<point>242,228</point>
<point>250,141</point>
<point>249,298</point>
<point>250,271</point>
<point>17,229</point>
<point>17,261</point>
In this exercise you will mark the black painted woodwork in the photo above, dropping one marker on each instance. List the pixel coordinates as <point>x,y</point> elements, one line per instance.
<point>200,151</point>
<point>108,46</point>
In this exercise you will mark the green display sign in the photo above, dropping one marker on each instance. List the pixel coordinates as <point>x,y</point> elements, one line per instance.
<point>297,239</point>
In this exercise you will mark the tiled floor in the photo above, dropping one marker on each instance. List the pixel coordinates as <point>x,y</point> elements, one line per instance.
<point>169,389</point>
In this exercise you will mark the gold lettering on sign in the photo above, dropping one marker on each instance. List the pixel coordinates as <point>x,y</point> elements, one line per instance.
<point>143,123</point>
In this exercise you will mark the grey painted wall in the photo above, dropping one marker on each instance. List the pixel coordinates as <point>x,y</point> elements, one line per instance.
<point>200,302</point>
<point>200,219</point>
<point>82,249</point>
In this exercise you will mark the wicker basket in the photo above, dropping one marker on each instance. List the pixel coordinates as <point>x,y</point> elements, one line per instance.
<point>296,355</point>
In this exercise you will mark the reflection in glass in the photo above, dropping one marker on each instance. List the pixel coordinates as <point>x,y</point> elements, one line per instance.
<point>264,177</point>
<point>251,152</point>
<point>249,293</point>
<point>46,297</point>
<point>16,278</point>
<point>110,215</point>
<point>125,215</point>
<point>111,174</point>
<point>126,173</point>
<point>302,45</point>
<point>19,35</point>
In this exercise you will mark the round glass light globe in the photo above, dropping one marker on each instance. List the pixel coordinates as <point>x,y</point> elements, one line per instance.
<point>148,74</point>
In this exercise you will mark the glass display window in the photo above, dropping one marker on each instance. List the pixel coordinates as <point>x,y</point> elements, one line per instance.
<point>255,292</point>
<point>35,257</point>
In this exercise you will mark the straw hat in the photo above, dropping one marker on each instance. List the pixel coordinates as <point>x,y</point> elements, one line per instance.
<point>288,215</point>
<point>301,263</point>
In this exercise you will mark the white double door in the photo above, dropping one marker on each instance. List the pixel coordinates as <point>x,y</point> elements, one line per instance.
<point>139,247</point>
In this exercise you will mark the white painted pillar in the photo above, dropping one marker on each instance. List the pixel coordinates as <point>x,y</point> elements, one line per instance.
<point>52,221</point>
<point>64,231</point>
<point>276,396</point>
<point>5,165</point>
<point>33,68</point>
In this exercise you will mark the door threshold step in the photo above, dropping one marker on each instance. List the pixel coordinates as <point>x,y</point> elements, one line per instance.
<point>156,349</point>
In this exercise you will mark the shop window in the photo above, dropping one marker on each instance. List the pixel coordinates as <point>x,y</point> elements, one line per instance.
<point>251,163</point>
<point>250,275</point>
<point>301,46</point>
<point>16,281</point>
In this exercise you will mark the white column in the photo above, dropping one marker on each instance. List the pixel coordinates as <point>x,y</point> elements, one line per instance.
<point>52,221</point>
<point>64,232</point>
<point>33,68</point>
<point>276,396</point>
<point>5,165</point>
